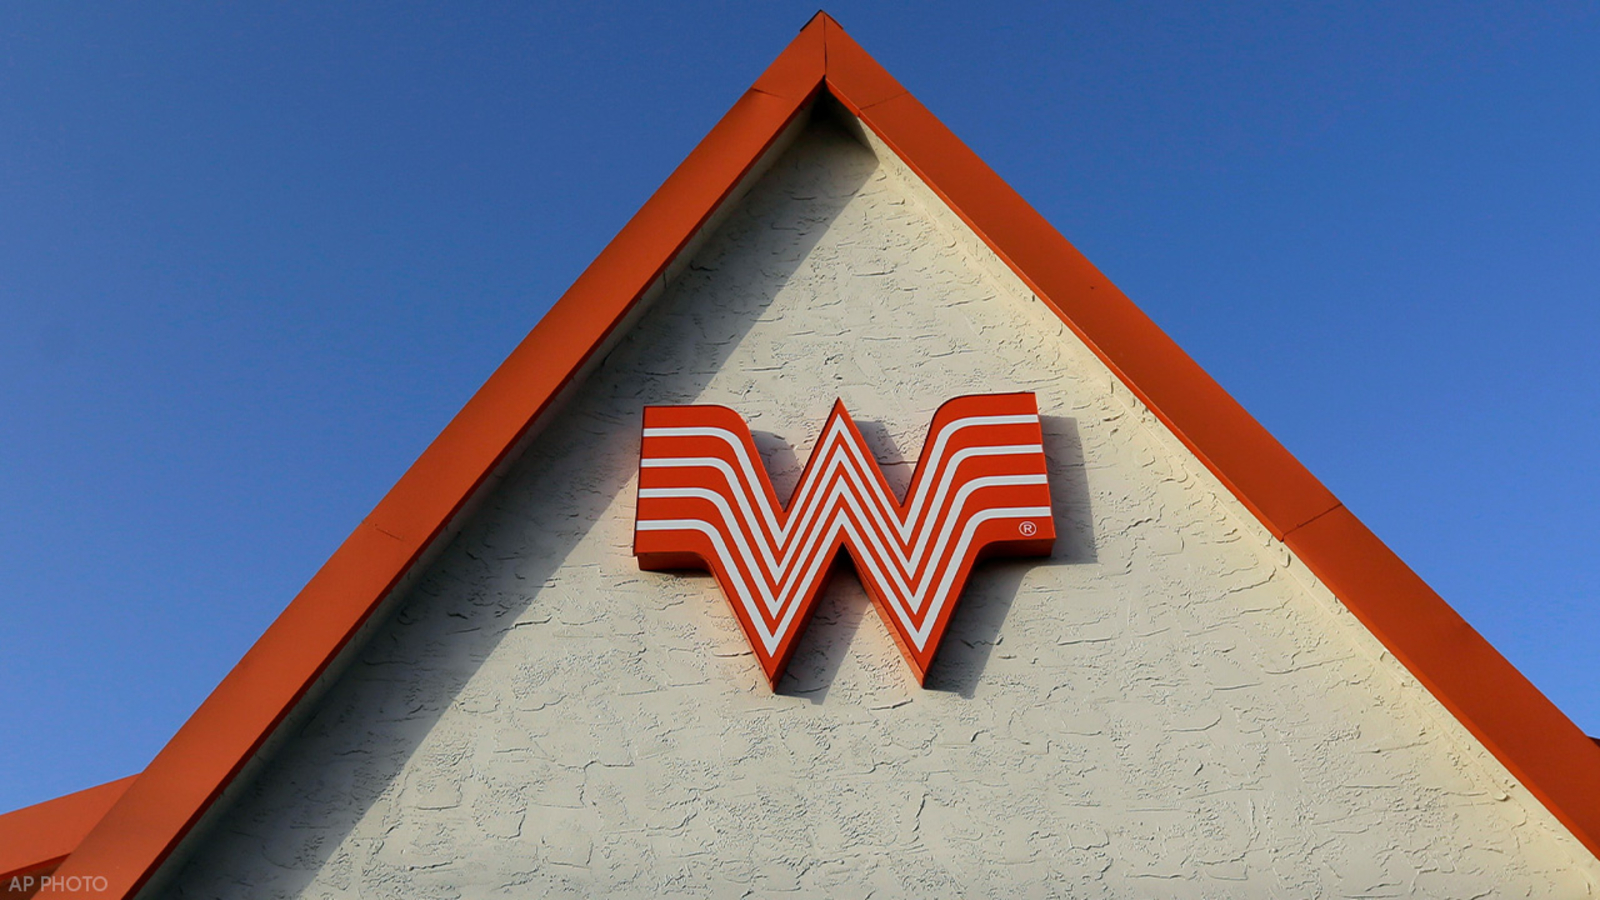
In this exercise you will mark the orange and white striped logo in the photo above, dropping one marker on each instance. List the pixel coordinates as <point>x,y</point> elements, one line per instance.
<point>705,502</point>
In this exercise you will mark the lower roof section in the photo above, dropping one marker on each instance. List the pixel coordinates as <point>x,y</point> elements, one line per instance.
<point>37,838</point>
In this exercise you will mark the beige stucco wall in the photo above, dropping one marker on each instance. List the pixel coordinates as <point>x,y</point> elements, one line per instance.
<point>1169,707</point>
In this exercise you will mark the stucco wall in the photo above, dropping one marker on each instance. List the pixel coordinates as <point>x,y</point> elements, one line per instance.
<point>1168,707</point>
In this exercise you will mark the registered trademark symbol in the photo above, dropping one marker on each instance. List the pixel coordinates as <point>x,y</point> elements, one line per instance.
<point>1028,529</point>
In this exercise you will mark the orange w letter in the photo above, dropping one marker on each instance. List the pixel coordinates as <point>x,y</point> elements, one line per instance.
<point>705,502</point>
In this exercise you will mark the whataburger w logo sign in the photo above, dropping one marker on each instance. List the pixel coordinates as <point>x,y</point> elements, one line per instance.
<point>705,502</point>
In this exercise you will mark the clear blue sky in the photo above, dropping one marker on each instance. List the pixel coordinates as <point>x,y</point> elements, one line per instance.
<point>252,259</point>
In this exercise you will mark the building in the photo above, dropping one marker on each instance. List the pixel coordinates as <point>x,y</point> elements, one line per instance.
<point>1217,683</point>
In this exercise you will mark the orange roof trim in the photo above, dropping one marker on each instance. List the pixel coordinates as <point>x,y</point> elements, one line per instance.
<point>34,839</point>
<point>1524,730</point>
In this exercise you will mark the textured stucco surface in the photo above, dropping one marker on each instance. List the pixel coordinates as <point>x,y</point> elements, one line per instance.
<point>1170,707</point>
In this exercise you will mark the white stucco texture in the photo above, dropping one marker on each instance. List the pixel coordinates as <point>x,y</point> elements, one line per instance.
<point>1168,707</point>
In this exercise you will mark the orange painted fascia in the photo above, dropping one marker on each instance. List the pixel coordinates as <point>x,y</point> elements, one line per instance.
<point>1275,487</point>
<point>133,839</point>
<point>1506,712</point>
<point>35,838</point>
<point>1532,738</point>
<point>1535,741</point>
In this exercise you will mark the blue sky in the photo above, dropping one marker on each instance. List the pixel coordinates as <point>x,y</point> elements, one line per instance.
<point>253,259</point>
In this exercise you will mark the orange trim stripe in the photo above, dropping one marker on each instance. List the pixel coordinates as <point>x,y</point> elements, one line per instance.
<point>1549,754</point>
<point>1555,760</point>
<point>1498,705</point>
<point>187,776</point>
<point>1210,422</point>
<point>1551,757</point>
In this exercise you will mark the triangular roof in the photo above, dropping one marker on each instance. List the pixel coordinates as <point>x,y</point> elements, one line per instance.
<point>1523,729</point>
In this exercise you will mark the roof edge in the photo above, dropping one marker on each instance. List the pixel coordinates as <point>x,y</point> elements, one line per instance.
<point>187,776</point>
<point>1498,705</point>
<point>39,836</point>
